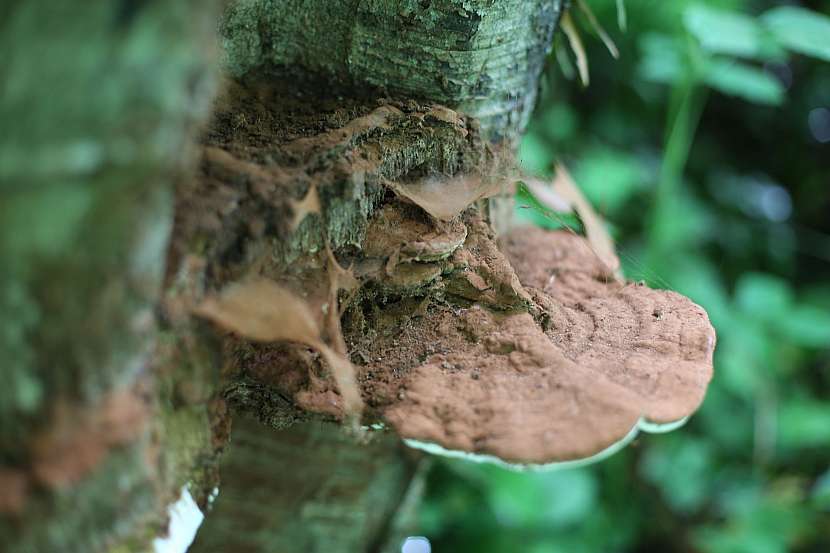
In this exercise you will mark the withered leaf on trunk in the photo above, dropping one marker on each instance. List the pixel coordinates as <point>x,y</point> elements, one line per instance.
<point>263,311</point>
<point>444,198</point>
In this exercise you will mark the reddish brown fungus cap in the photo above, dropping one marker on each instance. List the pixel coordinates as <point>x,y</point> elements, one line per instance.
<point>593,360</point>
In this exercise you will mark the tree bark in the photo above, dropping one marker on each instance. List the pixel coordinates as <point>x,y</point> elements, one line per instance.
<point>113,402</point>
<point>98,104</point>
<point>311,488</point>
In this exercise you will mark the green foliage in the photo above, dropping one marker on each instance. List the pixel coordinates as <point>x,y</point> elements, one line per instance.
<point>724,32</point>
<point>800,30</point>
<point>696,147</point>
<point>744,81</point>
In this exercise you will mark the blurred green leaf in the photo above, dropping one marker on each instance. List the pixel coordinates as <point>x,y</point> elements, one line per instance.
<point>744,357</point>
<point>744,81</point>
<point>806,326</point>
<point>661,59</point>
<point>529,210</point>
<point>558,123</point>
<point>695,276</point>
<point>555,499</point>
<point>820,494</point>
<point>817,295</point>
<point>764,296</point>
<point>773,525</point>
<point>609,178</point>
<point>724,32</point>
<point>681,469</point>
<point>535,155</point>
<point>801,30</point>
<point>727,421</point>
<point>804,423</point>
<point>737,491</point>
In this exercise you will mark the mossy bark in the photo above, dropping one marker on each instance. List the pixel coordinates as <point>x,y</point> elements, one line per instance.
<point>97,105</point>
<point>266,149</point>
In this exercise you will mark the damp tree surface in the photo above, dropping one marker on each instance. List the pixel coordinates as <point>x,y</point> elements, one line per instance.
<point>250,249</point>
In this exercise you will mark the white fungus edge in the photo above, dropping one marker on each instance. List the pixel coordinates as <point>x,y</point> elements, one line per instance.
<point>643,425</point>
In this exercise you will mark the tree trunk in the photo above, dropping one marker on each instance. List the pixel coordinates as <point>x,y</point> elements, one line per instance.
<point>311,488</point>
<point>98,103</point>
<point>113,405</point>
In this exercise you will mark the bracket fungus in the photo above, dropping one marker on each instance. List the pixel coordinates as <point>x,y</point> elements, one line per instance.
<point>527,349</point>
<point>571,380</point>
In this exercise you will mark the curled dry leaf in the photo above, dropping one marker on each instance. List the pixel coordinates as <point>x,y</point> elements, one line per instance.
<point>380,118</point>
<point>603,35</point>
<point>339,279</point>
<point>576,46</point>
<point>447,115</point>
<point>444,198</point>
<point>264,311</point>
<point>547,196</point>
<point>598,237</point>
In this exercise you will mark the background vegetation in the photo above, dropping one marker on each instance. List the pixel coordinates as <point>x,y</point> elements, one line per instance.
<point>707,147</point>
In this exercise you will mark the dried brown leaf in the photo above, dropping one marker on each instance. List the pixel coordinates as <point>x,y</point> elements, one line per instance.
<point>264,311</point>
<point>603,35</point>
<point>340,278</point>
<point>343,373</point>
<point>308,205</point>
<point>445,198</point>
<point>547,196</point>
<point>576,46</point>
<point>600,240</point>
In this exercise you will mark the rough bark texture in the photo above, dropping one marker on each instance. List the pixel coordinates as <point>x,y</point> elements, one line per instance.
<point>480,56</point>
<point>245,213</point>
<point>310,488</point>
<point>97,104</point>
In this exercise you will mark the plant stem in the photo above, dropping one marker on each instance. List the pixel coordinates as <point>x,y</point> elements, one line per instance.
<point>688,101</point>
